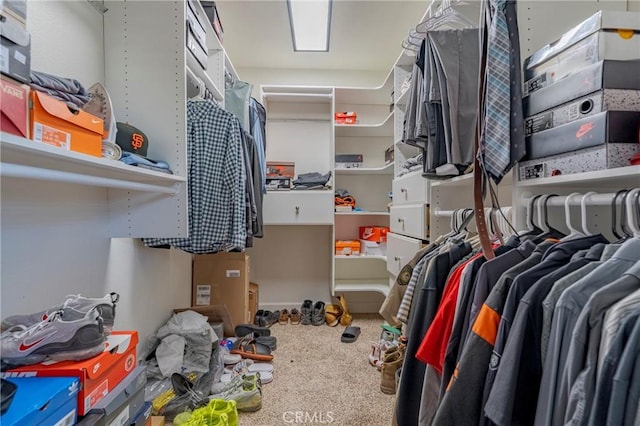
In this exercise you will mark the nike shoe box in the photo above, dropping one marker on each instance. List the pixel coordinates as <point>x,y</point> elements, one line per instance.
<point>196,34</point>
<point>52,122</point>
<point>43,401</point>
<point>14,107</point>
<point>603,128</point>
<point>98,375</point>
<point>602,75</point>
<point>122,403</point>
<point>602,157</point>
<point>607,34</point>
<point>586,106</point>
<point>15,48</point>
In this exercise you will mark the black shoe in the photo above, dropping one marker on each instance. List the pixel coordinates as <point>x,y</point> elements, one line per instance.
<point>270,317</point>
<point>317,318</point>
<point>244,329</point>
<point>307,311</point>
<point>257,319</point>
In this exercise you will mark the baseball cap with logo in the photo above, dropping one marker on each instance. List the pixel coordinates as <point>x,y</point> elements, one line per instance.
<point>131,139</point>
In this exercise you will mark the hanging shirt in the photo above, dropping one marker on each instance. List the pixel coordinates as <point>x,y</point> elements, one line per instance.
<point>216,183</point>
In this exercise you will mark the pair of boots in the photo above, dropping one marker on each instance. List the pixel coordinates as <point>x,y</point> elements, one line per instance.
<point>391,363</point>
<point>338,313</point>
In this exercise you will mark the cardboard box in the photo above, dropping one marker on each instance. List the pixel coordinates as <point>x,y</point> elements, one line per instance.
<point>346,117</point>
<point>16,9</point>
<point>602,75</point>
<point>15,49</point>
<point>372,248</point>
<point>377,234</point>
<point>121,404</point>
<point>223,279</point>
<point>277,169</point>
<point>14,107</point>
<point>143,417</point>
<point>195,48</point>
<point>157,420</point>
<point>216,314</point>
<point>254,300</point>
<point>43,401</point>
<point>348,248</point>
<point>603,128</point>
<point>601,157</point>
<point>278,183</point>
<point>53,123</point>
<point>211,11</point>
<point>197,28</point>
<point>97,375</point>
<point>607,34</point>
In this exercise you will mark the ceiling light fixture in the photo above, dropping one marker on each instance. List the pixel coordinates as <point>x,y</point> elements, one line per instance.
<point>310,22</point>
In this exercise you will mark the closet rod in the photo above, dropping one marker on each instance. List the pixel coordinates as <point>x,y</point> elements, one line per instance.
<point>449,213</point>
<point>28,172</point>
<point>600,199</point>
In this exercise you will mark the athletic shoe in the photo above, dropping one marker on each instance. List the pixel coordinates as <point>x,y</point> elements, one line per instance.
<point>307,311</point>
<point>55,338</point>
<point>248,396</point>
<point>106,307</point>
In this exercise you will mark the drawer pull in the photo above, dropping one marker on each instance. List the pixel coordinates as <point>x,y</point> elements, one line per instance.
<point>397,259</point>
<point>400,220</point>
<point>297,209</point>
<point>403,190</point>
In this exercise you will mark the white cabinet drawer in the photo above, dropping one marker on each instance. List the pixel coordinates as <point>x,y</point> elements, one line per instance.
<point>400,250</point>
<point>410,189</point>
<point>411,220</point>
<point>298,208</point>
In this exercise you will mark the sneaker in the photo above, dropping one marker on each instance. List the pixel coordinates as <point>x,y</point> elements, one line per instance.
<point>307,311</point>
<point>57,338</point>
<point>284,317</point>
<point>248,397</point>
<point>270,317</point>
<point>235,381</point>
<point>225,410</point>
<point>317,318</point>
<point>106,307</point>
<point>295,316</point>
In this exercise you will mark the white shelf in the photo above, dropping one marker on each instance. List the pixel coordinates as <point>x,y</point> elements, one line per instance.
<point>620,177</point>
<point>361,257</point>
<point>194,66</point>
<point>380,95</point>
<point>373,284</point>
<point>362,213</point>
<point>404,97</point>
<point>467,180</point>
<point>383,129</point>
<point>38,159</point>
<point>298,97</point>
<point>384,170</point>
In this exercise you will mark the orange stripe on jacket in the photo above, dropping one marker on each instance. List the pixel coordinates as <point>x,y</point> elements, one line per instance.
<point>486,324</point>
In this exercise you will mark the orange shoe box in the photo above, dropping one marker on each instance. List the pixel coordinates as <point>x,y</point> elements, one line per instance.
<point>348,247</point>
<point>54,123</point>
<point>98,375</point>
<point>376,234</point>
<point>347,117</point>
<point>14,107</point>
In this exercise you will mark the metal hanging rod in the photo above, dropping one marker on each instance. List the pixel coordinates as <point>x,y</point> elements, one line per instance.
<point>449,213</point>
<point>28,172</point>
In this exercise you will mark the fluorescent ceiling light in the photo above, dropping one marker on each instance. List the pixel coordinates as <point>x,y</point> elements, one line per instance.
<point>310,22</point>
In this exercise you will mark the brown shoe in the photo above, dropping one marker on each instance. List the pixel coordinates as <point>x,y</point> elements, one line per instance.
<point>295,316</point>
<point>283,319</point>
<point>391,363</point>
<point>346,317</point>
<point>332,314</point>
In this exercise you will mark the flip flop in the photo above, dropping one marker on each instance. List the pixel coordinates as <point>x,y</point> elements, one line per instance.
<point>251,367</point>
<point>244,329</point>
<point>350,334</point>
<point>249,348</point>
<point>270,341</point>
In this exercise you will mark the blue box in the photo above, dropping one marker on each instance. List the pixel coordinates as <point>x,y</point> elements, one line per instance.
<point>143,415</point>
<point>43,401</point>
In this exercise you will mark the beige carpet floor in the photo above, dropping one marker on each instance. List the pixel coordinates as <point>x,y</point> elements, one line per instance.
<point>319,380</point>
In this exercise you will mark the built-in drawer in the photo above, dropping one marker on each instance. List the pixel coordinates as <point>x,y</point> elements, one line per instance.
<point>410,189</point>
<point>411,220</point>
<point>298,208</point>
<point>400,250</point>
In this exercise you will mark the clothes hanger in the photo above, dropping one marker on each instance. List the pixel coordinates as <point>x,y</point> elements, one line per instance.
<point>614,215</point>
<point>632,213</point>
<point>447,16</point>
<point>583,213</point>
<point>532,228</point>
<point>623,217</point>
<point>549,231</point>
<point>573,232</point>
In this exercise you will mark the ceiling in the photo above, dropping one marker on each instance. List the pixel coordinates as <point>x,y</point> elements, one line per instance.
<point>365,34</point>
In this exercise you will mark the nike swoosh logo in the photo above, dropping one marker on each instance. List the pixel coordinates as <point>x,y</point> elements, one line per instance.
<point>584,129</point>
<point>24,347</point>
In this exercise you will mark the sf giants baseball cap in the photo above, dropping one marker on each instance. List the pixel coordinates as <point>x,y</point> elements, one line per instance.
<point>131,139</point>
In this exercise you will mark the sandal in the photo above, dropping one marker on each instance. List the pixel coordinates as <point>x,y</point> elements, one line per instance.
<point>295,316</point>
<point>284,317</point>
<point>346,318</point>
<point>350,334</point>
<point>248,347</point>
<point>332,314</point>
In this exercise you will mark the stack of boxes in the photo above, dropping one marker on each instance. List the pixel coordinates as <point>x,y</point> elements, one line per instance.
<point>103,390</point>
<point>582,98</point>
<point>372,242</point>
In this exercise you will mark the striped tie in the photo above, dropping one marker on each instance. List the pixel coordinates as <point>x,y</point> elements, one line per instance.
<point>497,99</point>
